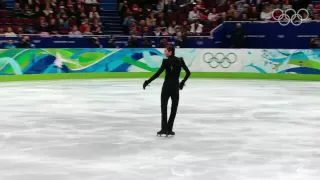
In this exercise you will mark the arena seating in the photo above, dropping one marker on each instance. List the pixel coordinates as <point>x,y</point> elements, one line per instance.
<point>107,17</point>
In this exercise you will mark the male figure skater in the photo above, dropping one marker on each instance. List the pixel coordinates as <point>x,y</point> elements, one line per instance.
<point>170,87</point>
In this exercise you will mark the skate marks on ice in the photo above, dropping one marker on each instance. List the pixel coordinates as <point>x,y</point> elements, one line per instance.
<point>105,129</point>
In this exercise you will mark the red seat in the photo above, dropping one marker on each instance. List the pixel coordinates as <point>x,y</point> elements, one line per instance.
<point>2,21</point>
<point>181,9</point>
<point>172,17</point>
<point>182,17</point>
<point>7,21</point>
<point>72,22</point>
<point>17,21</point>
<point>28,22</point>
<point>3,13</point>
<point>15,28</point>
<point>64,30</point>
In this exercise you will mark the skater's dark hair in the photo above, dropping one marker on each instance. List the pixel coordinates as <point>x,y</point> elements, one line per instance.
<point>171,48</point>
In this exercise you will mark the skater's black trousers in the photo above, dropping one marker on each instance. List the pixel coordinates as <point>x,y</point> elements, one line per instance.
<point>169,90</point>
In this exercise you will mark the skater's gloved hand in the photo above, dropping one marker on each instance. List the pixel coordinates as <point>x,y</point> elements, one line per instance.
<point>145,84</point>
<point>181,85</point>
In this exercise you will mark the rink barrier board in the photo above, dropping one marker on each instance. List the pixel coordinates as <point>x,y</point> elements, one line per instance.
<point>145,75</point>
<point>134,62</point>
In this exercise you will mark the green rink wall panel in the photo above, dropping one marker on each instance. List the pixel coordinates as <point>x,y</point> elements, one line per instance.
<point>31,77</point>
<point>48,64</point>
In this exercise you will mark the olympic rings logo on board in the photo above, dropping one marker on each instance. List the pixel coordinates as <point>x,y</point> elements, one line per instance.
<point>284,19</point>
<point>219,59</point>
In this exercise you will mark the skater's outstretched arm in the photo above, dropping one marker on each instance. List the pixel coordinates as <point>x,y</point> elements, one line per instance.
<point>156,75</point>
<point>188,73</point>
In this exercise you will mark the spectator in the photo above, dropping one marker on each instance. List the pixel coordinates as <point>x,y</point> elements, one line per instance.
<point>157,32</point>
<point>180,41</point>
<point>64,21</point>
<point>88,31</point>
<point>142,24</point>
<point>223,17</point>
<point>240,6</point>
<point>96,23</point>
<point>84,25</point>
<point>163,43</point>
<point>81,14</point>
<point>1,31</point>
<point>238,37</point>
<point>20,31</point>
<point>94,18</point>
<point>160,18</point>
<point>51,2</point>
<point>163,26</point>
<point>17,11</point>
<point>74,32</point>
<point>10,33</point>
<point>47,10</point>
<point>160,7</point>
<point>213,15</point>
<point>286,5</point>
<point>266,14</point>
<point>254,15</point>
<point>70,5</point>
<point>151,19</point>
<point>196,28</point>
<point>194,14</point>
<point>61,6</point>
<point>38,12</point>
<point>111,43</point>
<point>172,28</point>
<point>43,26</point>
<point>310,10</point>
<point>140,15</point>
<point>316,17</point>
<point>185,26</point>
<point>146,31</point>
<point>199,5</point>
<point>91,2</point>
<point>153,26</point>
<point>244,17</point>
<point>231,9</point>
<point>10,45</point>
<point>146,43</point>
<point>53,27</point>
<point>24,43</point>
<point>133,42</point>
<point>128,20</point>
<point>97,31</point>
<point>169,7</point>
<point>203,17</point>
<point>94,12</point>
<point>27,11</point>
<point>135,8</point>
<point>305,16</point>
<point>236,16</point>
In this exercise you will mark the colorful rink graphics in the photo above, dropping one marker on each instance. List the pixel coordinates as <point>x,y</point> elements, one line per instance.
<point>62,61</point>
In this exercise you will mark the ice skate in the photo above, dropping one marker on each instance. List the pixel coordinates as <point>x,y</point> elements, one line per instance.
<point>162,132</point>
<point>171,133</point>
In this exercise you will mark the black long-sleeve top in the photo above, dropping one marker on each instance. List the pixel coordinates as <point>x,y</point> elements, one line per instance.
<point>173,66</point>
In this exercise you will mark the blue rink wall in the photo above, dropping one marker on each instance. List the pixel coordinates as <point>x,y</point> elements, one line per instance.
<point>59,61</point>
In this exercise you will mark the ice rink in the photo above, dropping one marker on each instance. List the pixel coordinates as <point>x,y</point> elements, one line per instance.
<point>106,130</point>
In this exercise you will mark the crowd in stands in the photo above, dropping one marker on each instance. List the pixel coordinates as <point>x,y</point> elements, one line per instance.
<point>168,17</point>
<point>179,18</point>
<point>50,17</point>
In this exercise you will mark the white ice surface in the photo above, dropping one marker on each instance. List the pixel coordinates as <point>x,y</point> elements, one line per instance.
<point>106,130</point>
